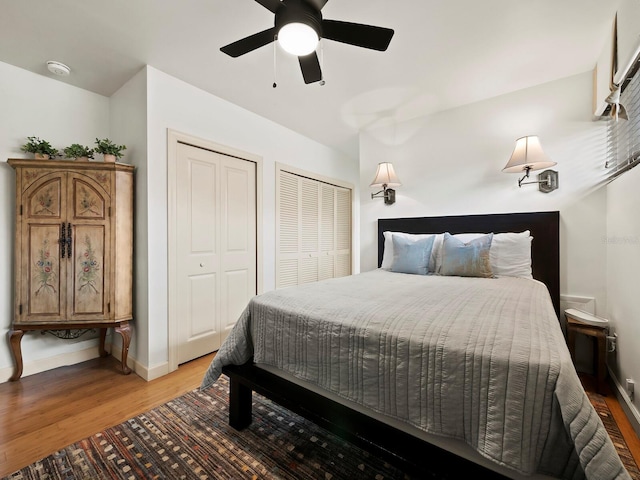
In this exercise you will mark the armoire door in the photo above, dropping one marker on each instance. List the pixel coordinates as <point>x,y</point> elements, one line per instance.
<point>89,245</point>
<point>66,235</point>
<point>42,284</point>
<point>216,246</point>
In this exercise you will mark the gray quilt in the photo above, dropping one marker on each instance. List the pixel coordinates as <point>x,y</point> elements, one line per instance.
<point>476,359</point>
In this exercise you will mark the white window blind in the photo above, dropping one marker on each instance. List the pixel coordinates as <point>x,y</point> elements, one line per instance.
<point>623,136</point>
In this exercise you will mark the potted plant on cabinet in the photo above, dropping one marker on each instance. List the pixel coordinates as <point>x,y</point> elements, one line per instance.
<point>39,148</point>
<point>109,150</point>
<point>79,152</point>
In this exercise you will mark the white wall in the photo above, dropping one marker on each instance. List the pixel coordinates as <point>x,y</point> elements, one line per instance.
<point>34,105</point>
<point>128,126</point>
<point>450,164</point>
<point>139,115</point>
<point>623,275</point>
<point>174,104</point>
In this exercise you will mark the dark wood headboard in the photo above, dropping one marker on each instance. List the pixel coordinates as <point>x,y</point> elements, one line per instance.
<point>544,227</point>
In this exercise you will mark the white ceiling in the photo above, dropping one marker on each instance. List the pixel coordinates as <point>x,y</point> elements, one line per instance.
<point>445,53</point>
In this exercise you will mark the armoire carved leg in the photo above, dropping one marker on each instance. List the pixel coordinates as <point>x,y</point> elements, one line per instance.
<point>103,336</point>
<point>15,336</point>
<point>125,331</point>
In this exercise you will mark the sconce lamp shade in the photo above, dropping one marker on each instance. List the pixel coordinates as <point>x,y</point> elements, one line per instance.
<point>386,176</point>
<point>528,155</point>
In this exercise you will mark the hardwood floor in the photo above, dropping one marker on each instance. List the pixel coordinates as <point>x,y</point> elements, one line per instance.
<point>42,413</point>
<point>629,434</point>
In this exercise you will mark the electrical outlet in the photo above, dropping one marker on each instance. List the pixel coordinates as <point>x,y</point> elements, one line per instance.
<point>630,388</point>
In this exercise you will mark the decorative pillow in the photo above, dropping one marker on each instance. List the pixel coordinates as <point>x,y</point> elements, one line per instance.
<point>510,253</point>
<point>464,237</point>
<point>470,259</point>
<point>387,255</point>
<point>411,255</point>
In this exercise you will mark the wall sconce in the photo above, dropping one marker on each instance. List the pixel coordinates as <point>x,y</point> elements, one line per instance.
<point>385,177</point>
<point>617,109</point>
<point>528,156</point>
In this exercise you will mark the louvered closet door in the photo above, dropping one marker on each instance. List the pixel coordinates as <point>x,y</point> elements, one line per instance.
<point>313,230</point>
<point>309,231</point>
<point>343,232</point>
<point>288,233</point>
<point>327,231</point>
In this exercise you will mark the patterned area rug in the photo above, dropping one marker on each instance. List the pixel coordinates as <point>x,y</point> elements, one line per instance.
<point>189,438</point>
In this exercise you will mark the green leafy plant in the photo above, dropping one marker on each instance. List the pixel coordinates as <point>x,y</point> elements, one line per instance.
<point>107,147</point>
<point>76,151</point>
<point>35,145</point>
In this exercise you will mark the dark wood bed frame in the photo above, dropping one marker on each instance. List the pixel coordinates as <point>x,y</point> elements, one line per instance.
<point>413,455</point>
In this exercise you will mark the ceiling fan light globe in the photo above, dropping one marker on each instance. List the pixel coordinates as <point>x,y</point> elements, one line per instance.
<point>298,39</point>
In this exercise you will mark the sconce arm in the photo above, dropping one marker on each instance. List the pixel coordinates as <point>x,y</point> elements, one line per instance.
<point>388,194</point>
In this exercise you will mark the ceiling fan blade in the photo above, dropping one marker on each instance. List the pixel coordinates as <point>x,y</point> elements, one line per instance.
<point>317,3</point>
<point>310,67</point>
<point>366,36</point>
<point>272,5</point>
<point>248,44</point>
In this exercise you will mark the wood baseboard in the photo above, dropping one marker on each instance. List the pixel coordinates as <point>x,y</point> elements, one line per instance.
<point>626,416</point>
<point>148,373</point>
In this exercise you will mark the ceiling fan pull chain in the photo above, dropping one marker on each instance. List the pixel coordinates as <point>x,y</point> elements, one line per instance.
<point>275,55</point>
<point>322,82</point>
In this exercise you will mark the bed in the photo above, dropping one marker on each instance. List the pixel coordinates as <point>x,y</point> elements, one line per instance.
<point>460,373</point>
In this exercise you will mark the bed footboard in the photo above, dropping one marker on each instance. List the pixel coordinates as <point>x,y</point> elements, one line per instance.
<point>413,455</point>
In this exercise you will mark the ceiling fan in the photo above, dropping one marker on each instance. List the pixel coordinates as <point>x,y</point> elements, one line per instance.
<point>298,28</point>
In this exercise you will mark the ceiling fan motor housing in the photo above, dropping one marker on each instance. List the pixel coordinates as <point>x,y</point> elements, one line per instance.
<point>299,11</point>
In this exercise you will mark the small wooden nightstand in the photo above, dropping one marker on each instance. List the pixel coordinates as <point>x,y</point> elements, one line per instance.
<point>600,351</point>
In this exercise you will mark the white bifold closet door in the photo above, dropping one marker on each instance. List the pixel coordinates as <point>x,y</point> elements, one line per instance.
<point>216,246</point>
<point>313,230</point>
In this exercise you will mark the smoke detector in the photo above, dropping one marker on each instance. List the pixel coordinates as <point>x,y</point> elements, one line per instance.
<point>58,68</point>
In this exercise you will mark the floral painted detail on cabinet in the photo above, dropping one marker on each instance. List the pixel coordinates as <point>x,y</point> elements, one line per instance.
<point>44,200</point>
<point>88,269</point>
<point>89,204</point>
<point>44,203</point>
<point>45,269</point>
<point>103,179</point>
<point>30,176</point>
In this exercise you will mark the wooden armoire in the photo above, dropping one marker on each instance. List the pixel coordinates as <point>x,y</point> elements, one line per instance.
<point>73,250</point>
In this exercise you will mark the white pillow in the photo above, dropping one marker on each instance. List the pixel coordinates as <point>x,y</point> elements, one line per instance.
<point>387,255</point>
<point>510,253</point>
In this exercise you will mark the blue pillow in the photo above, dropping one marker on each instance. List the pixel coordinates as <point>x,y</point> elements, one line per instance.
<point>411,255</point>
<point>466,259</point>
